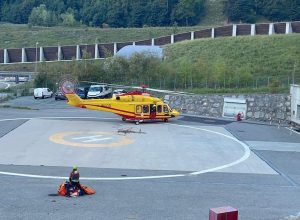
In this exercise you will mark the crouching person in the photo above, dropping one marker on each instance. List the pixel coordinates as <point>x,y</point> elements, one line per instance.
<point>73,188</point>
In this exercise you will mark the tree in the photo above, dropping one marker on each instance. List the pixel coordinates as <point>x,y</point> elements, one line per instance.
<point>188,12</point>
<point>158,13</point>
<point>138,13</point>
<point>241,10</point>
<point>68,19</point>
<point>41,16</point>
<point>117,13</point>
<point>185,70</point>
<point>203,71</point>
<point>223,73</point>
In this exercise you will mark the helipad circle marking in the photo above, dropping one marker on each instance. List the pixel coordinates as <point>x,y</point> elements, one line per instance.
<point>243,158</point>
<point>59,138</point>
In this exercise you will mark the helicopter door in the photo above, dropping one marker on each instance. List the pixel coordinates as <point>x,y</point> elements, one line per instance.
<point>152,111</point>
<point>166,110</point>
<point>159,111</point>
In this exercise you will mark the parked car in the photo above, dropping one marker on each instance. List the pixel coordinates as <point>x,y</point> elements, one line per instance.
<point>99,91</point>
<point>117,92</point>
<point>60,96</point>
<point>82,91</point>
<point>42,93</point>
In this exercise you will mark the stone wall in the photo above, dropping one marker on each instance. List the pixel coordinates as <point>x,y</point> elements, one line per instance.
<point>260,107</point>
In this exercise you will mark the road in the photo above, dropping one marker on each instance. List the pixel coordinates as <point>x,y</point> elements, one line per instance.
<point>172,171</point>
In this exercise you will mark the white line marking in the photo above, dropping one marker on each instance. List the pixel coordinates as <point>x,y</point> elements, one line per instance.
<point>96,140</point>
<point>16,119</point>
<point>290,129</point>
<point>243,158</point>
<point>87,137</point>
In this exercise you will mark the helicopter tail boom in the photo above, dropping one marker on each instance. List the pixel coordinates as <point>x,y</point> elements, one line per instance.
<point>73,99</point>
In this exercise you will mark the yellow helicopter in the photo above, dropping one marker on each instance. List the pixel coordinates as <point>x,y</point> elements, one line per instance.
<point>137,106</point>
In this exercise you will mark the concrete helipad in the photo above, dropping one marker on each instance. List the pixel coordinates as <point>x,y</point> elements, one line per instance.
<point>111,144</point>
<point>177,170</point>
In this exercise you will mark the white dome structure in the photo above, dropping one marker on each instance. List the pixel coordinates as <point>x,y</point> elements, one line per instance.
<point>130,50</point>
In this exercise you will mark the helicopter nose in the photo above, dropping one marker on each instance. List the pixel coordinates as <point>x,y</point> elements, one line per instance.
<point>175,113</point>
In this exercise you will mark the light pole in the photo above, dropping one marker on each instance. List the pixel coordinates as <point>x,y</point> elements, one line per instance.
<point>36,53</point>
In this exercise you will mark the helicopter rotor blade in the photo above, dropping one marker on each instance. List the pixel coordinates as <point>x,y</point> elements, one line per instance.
<point>140,87</point>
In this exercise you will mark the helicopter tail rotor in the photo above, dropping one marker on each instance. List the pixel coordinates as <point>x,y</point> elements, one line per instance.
<point>68,85</point>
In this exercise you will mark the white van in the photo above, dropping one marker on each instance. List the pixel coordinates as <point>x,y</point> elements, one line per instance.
<point>42,93</point>
<point>99,91</point>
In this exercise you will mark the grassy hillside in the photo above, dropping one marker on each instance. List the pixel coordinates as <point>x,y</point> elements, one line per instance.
<point>233,64</point>
<point>17,36</point>
<point>259,57</point>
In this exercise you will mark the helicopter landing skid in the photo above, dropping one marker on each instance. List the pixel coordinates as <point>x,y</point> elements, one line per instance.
<point>138,122</point>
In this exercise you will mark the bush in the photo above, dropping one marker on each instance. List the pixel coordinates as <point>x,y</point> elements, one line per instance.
<point>274,86</point>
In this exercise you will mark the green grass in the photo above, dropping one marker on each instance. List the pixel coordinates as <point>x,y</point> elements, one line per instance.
<point>17,35</point>
<point>17,107</point>
<point>260,56</point>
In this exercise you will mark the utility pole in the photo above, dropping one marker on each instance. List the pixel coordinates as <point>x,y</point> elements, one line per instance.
<point>36,53</point>
<point>295,65</point>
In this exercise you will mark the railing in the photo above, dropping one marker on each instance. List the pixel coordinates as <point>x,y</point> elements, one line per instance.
<point>102,51</point>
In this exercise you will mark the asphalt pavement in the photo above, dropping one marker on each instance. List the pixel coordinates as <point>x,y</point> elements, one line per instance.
<point>146,175</point>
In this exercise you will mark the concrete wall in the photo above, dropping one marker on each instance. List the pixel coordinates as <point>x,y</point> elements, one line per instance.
<point>260,107</point>
<point>109,49</point>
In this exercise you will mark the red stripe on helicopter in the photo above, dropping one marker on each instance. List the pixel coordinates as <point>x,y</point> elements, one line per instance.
<point>115,109</point>
<point>139,116</point>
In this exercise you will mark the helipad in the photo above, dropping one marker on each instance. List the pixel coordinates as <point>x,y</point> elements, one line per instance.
<point>152,146</point>
<point>90,139</point>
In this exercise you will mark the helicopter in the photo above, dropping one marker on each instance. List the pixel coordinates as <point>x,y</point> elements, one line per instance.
<point>136,106</point>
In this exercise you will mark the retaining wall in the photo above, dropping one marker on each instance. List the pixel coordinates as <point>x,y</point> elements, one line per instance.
<point>32,55</point>
<point>260,107</point>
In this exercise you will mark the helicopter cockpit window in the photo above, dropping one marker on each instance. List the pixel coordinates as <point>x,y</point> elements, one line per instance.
<point>138,109</point>
<point>159,109</point>
<point>166,109</point>
<point>145,108</point>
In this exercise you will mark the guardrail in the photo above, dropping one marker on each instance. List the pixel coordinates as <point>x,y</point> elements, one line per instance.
<point>102,51</point>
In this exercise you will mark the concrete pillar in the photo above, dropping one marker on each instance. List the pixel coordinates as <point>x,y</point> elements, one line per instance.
<point>78,53</point>
<point>212,33</point>
<point>96,51</point>
<point>288,28</point>
<point>17,79</point>
<point>42,57</point>
<point>234,28</point>
<point>24,56</point>
<point>253,31</point>
<point>172,39</point>
<point>152,42</point>
<point>6,56</point>
<point>59,53</point>
<point>271,29</point>
<point>192,35</point>
<point>115,48</point>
